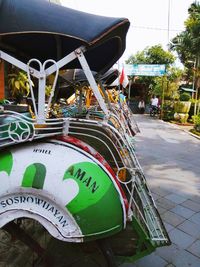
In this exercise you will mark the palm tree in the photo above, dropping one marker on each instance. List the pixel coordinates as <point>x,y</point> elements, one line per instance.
<point>187,44</point>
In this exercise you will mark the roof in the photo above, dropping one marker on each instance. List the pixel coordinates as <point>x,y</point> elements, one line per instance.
<point>43,30</point>
<point>188,89</point>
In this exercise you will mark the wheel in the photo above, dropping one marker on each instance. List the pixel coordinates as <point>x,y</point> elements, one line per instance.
<point>89,254</point>
<point>28,244</point>
<point>25,242</point>
<point>108,253</point>
<point>152,113</point>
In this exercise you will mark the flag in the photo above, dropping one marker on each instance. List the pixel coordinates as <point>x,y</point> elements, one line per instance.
<point>123,79</point>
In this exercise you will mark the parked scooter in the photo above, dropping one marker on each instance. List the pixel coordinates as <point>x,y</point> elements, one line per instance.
<point>154,111</point>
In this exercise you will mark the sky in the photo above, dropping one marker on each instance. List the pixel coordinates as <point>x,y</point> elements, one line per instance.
<point>152,21</point>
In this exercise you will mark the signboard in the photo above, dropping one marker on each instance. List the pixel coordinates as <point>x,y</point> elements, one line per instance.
<point>145,69</point>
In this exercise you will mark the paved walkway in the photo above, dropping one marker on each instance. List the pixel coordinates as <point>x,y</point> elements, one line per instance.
<point>170,158</point>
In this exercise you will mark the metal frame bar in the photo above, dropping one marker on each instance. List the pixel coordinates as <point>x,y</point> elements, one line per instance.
<point>156,233</point>
<point>91,80</point>
<point>43,73</point>
<point>18,64</point>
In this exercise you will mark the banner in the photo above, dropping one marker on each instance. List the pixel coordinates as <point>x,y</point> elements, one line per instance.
<point>145,69</point>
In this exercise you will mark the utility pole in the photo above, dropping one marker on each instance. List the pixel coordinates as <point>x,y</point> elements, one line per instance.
<point>168,27</point>
<point>193,87</point>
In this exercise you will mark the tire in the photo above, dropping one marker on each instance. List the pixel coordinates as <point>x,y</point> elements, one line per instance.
<point>52,252</point>
<point>107,252</point>
<point>152,113</point>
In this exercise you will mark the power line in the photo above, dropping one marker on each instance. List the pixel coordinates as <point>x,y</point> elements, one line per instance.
<point>156,29</point>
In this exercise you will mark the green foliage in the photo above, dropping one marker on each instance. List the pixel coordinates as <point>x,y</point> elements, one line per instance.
<point>185,97</point>
<point>157,55</point>
<point>187,43</point>
<point>18,83</point>
<point>182,44</point>
<point>152,55</point>
<point>138,58</point>
<point>194,131</point>
<point>196,120</point>
<point>193,101</point>
<point>168,111</point>
<point>48,90</point>
<point>168,84</point>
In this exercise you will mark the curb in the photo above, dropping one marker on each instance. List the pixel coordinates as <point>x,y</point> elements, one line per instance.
<point>186,131</point>
<point>194,135</point>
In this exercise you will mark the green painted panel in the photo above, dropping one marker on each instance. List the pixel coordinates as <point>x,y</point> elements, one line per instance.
<point>97,208</point>
<point>93,183</point>
<point>29,175</point>
<point>34,176</point>
<point>40,174</point>
<point>103,219</point>
<point>6,162</point>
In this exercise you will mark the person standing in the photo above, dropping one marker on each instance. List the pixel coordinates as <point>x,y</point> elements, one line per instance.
<point>141,106</point>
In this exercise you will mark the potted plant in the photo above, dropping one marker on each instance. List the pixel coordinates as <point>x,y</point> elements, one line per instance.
<point>182,108</point>
<point>18,83</point>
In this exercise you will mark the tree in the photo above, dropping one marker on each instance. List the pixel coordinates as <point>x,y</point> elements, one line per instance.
<point>157,55</point>
<point>152,55</point>
<point>187,43</point>
<point>169,83</point>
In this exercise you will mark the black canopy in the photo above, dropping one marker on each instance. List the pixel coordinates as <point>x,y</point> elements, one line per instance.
<point>77,77</point>
<point>42,30</point>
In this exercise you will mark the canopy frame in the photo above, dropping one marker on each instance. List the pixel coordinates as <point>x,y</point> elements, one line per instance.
<point>43,73</point>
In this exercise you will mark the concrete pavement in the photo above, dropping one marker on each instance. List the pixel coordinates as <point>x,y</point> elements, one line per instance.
<point>170,158</point>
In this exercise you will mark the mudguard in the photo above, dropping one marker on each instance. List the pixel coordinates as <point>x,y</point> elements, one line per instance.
<point>63,187</point>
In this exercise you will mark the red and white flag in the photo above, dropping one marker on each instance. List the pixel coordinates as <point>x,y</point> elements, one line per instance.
<point>123,79</point>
